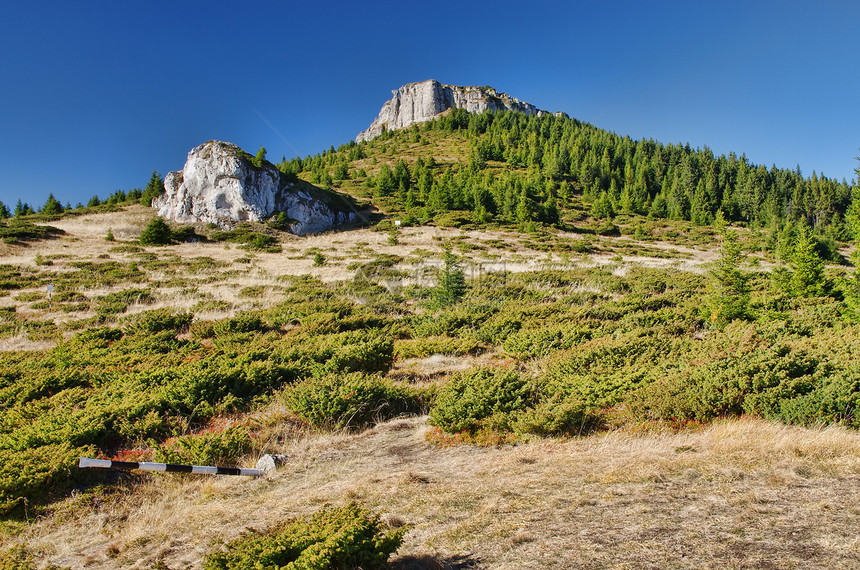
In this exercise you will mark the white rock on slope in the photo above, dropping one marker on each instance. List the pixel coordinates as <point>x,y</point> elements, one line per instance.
<point>218,185</point>
<point>419,102</point>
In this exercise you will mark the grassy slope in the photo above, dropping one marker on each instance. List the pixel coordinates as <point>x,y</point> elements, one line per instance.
<point>742,493</point>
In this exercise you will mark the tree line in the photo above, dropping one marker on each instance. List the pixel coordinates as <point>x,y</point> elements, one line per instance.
<point>549,161</point>
<point>53,207</point>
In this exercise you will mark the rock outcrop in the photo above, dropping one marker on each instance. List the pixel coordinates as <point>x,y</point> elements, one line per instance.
<point>419,102</point>
<point>220,185</point>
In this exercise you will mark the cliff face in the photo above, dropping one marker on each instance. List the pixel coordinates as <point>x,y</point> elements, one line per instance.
<point>218,185</point>
<point>419,102</point>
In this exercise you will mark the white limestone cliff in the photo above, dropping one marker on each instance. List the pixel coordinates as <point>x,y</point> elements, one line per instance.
<point>219,185</point>
<point>426,100</point>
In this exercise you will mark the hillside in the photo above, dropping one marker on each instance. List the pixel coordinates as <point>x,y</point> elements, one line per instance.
<point>536,367</point>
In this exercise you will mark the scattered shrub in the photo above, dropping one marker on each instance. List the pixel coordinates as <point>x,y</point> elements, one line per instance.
<point>241,323</point>
<point>344,537</point>
<point>558,416</point>
<point>421,347</point>
<point>221,449</point>
<point>116,303</point>
<point>156,232</point>
<point>159,320</point>
<point>338,401</point>
<point>470,400</point>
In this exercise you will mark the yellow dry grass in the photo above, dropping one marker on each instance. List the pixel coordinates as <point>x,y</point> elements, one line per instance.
<point>737,494</point>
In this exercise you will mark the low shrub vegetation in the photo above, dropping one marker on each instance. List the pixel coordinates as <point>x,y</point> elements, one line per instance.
<point>336,537</point>
<point>563,352</point>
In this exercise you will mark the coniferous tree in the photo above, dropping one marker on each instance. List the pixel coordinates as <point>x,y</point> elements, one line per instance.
<point>851,282</point>
<point>259,157</point>
<point>157,232</point>
<point>807,268</point>
<point>52,206</point>
<point>385,183</point>
<point>658,207</point>
<point>524,208</point>
<point>154,188</point>
<point>602,207</point>
<point>451,285</point>
<point>729,299</point>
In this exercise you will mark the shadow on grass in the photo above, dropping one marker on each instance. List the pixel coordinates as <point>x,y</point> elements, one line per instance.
<point>436,563</point>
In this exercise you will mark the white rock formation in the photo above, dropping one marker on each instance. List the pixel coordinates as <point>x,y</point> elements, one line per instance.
<point>419,102</point>
<point>218,185</point>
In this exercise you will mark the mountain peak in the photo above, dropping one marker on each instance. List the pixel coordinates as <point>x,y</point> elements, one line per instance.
<point>426,100</point>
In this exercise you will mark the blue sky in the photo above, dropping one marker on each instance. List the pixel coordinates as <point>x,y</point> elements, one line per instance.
<point>94,96</point>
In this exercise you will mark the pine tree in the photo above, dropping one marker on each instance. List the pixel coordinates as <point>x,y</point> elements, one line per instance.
<point>451,285</point>
<point>52,206</point>
<point>385,183</point>
<point>729,299</point>
<point>807,268</point>
<point>154,189</point>
<point>157,232</point>
<point>524,209</point>
<point>851,283</point>
<point>602,207</point>
<point>259,157</point>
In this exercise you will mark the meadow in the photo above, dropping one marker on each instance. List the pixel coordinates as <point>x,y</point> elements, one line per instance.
<point>540,345</point>
<point>564,405</point>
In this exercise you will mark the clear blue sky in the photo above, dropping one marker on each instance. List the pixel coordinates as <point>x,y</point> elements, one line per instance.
<point>94,96</point>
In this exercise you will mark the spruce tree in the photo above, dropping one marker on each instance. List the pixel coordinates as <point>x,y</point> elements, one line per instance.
<point>154,189</point>
<point>807,268</point>
<point>259,158</point>
<point>52,206</point>
<point>451,285</point>
<point>157,232</point>
<point>729,299</point>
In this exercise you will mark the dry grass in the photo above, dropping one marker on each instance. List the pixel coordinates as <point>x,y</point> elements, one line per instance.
<point>84,240</point>
<point>737,494</point>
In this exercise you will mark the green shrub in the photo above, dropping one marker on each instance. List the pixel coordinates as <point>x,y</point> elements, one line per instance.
<point>17,558</point>
<point>359,352</point>
<point>343,537</point>
<point>125,249</point>
<point>280,222</point>
<point>248,238</point>
<point>558,416</point>
<point>470,400</point>
<point>836,400</point>
<point>15,230</point>
<point>116,303</point>
<point>159,320</point>
<point>156,232</point>
<point>422,347</point>
<point>338,401</point>
<point>222,449</point>
<point>533,343</point>
<point>202,329</point>
<point>241,323</point>
<point>33,473</point>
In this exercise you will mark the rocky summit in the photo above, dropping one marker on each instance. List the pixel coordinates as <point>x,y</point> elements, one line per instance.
<point>426,100</point>
<point>221,185</point>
